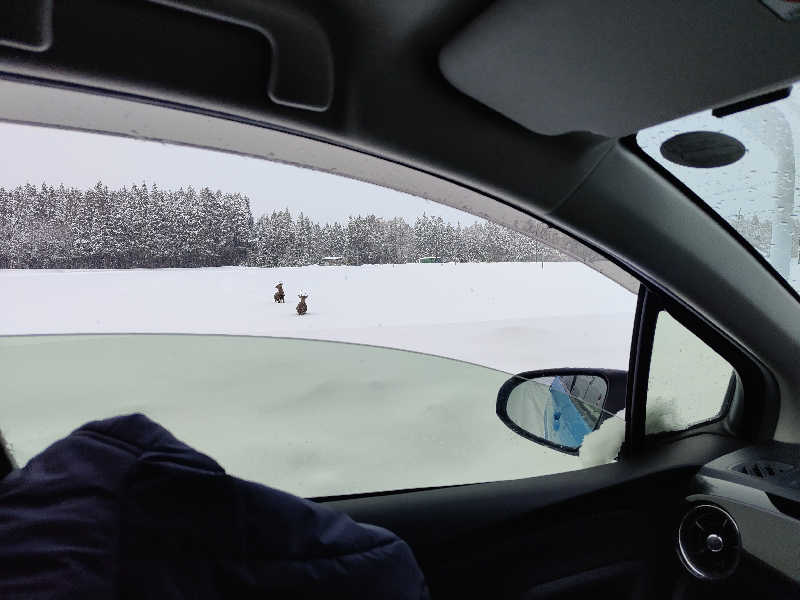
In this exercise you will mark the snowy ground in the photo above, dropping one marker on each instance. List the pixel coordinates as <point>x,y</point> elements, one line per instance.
<point>315,419</point>
<point>509,316</point>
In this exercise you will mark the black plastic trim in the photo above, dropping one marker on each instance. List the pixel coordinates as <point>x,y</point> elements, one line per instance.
<point>639,369</point>
<point>737,107</point>
<point>790,508</point>
<point>26,24</point>
<point>359,495</point>
<point>450,511</point>
<point>301,73</point>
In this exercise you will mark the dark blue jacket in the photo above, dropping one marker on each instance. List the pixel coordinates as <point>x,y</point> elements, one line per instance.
<point>122,509</point>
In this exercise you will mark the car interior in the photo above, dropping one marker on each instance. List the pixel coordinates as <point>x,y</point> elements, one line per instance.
<point>509,109</point>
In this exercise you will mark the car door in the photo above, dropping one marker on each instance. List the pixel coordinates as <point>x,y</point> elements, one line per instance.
<point>607,530</point>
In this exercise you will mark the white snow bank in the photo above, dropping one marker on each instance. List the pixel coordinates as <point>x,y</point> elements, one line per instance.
<point>602,445</point>
<point>665,414</point>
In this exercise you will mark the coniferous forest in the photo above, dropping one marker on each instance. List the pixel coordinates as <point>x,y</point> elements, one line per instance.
<point>147,227</point>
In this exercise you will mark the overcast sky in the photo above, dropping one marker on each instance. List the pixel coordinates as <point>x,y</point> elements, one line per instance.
<point>54,156</point>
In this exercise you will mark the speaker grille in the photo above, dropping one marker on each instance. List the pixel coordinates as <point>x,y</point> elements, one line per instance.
<point>763,469</point>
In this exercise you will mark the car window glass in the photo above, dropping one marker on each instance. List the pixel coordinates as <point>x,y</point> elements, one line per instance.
<point>315,333</point>
<point>688,380</point>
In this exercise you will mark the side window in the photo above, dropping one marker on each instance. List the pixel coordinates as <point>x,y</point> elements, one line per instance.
<point>315,333</point>
<point>688,381</point>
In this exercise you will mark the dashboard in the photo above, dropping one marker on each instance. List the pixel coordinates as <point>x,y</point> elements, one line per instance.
<point>743,517</point>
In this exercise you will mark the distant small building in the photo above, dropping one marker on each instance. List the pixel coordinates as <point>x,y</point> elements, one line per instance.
<point>331,260</point>
<point>430,259</point>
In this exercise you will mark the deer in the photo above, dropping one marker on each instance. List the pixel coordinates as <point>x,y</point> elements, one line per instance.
<point>302,307</point>
<point>279,295</point>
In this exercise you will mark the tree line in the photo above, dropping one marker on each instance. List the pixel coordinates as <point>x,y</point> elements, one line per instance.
<point>146,227</point>
<point>280,240</point>
<point>141,226</point>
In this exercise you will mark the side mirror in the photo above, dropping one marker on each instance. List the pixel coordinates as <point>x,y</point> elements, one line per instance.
<point>558,407</point>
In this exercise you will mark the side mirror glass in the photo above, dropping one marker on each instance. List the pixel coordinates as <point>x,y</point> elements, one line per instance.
<point>556,408</point>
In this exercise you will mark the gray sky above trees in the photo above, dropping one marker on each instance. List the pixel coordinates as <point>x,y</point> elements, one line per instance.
<point>35,155</point>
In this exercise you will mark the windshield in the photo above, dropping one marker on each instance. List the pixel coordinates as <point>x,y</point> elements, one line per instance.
<point>748,175</point>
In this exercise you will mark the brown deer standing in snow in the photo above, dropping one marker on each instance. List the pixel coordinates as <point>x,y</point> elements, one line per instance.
<point>302,307</point>
<point>279,295</point>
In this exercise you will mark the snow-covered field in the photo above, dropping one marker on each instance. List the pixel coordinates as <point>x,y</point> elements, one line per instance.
<point>509,316</point>
<point>316,419</point>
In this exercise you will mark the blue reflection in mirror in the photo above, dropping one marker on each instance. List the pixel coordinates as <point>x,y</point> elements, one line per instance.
<point>568,426</point>
<point>559,409</point>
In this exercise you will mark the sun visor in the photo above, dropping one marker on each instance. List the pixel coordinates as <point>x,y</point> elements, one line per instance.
<point>615,67</point>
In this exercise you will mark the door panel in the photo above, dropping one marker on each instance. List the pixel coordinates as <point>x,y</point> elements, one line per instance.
<point>605,529</point>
